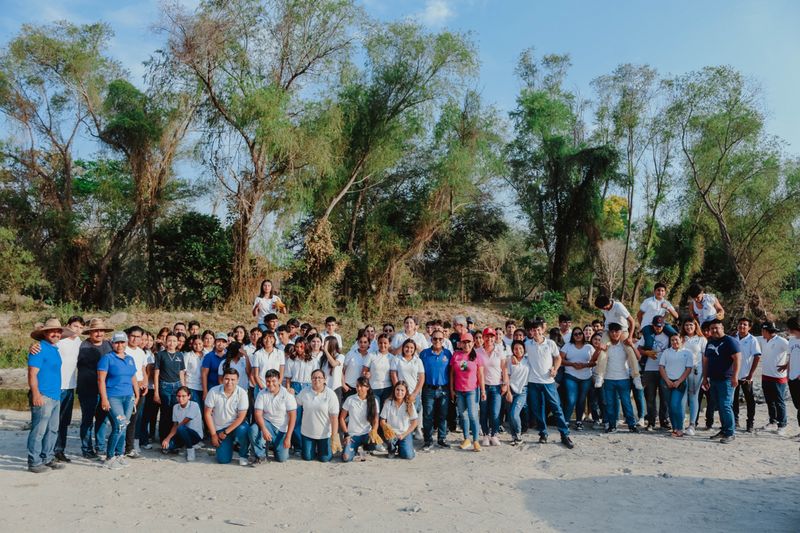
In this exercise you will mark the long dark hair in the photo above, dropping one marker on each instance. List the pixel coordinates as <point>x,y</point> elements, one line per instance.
<point>230,354</point>
<point>261,289</point>
<point>572,335</point>
<point>292,352</point>
<point>372,408</point>
<point>330,346</point>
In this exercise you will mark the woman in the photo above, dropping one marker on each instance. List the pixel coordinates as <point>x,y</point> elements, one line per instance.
<point>183,342</point>
<point>408,367</point>
<point>466,375</point>
<point>596,402</point>
<point>236,357</point>
<point>266,303</point>
<point>694,342</point>
<point>517,394</point>
<point>353,365</point>
<point>576,357</point>
<point>320,419</point>
<point>161,339</point>
<point>119,392</point>
<point>398,420</point>
<point>193,361</point>
<point>358,418</point>
<point>675,365</point>
<point>187,423</point>
<point>299,368</point>
<point>377,367</point>
<point>208,341</point>
<point>147,432</point>
<point>331,364</point>
<point>168,375</point>
<point>267,357</point>
<point>239,335</point>
<point>496,377</point>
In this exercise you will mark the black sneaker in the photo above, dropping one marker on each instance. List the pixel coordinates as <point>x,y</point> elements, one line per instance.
<point>717,435</point>
<point>566,441</point>
<point>728,439</point>
<point>442,444</point>
<point>55,465</point>
<point>89,455</point>
<point>542,439</point>
<point>749,428</point>
<point>515,442</point>
<point>611,429</point>
<point>61,458</point>
<point>634,429</point>
<point>578,426</point>
<point>426,447</point>
<point>257,461</point>
<point>38,469</point>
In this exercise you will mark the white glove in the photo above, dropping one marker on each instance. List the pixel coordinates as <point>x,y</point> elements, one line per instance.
<point>598,382</point>
<point>637,383</point>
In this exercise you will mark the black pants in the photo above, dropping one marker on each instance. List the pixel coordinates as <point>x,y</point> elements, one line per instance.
<point>746,388</point>
<point>65,418</point>
<point>794,390</point>
<point>150,416</point>
<point>653,385</point>
<point>710,407</point>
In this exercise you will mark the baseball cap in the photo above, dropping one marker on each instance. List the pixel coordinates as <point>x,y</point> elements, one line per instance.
<point>220,336</point>
<point>658,321</point>
<point>489,331</point>
<point>119,336</point>
<point>769,326</point>
<point>460,319</point>
<point>466,337</point>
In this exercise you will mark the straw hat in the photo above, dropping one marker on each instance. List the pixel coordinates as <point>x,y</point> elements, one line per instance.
<point>51,324</point>
<point>96,324</point>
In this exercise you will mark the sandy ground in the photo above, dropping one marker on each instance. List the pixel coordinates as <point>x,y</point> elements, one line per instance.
<point>617,482</point>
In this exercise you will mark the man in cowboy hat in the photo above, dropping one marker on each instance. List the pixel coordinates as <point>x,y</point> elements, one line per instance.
<point>94,423</point>
<point>44,380</point>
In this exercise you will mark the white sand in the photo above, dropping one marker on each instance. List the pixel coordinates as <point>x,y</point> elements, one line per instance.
<point>617,482</point>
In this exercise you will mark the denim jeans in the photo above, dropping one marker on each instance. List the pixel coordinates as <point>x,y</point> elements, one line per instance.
<point>434,411</point>
<point>382,395</point>
<point>776,405</point>
<point>467,407</point>
<point>44,431</point>
<point>64,418</point>
<point>352,445</point>
<point>693,382</point>
<point>167,392</point>
<point>260,446</point>
<point>403,447</point>
<point>675,400</point>
<point>618,391</point>
<point>653,384</point>
<point>119,416</point>
<point>596,403</point>
<point>297,438</point>
<point>150,418</point>
<point>540,397</point>
<point>319,449</point>
<point>745,388</point>
<point>518,400</point>
<point>577,390</point>
<point>225,450</point>
<point>649,335</point>
<point>722,393</point>
<point>184,438</point>
<point>638,400</point>
<point>490,411</point>
<point>94,424</point>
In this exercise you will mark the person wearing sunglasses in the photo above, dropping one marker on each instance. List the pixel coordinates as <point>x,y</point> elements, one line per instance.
<point>436,362</point>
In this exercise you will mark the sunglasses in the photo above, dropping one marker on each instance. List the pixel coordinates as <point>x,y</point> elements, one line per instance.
<point>437,338</point>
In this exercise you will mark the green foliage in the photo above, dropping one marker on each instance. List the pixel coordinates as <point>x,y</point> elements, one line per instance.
<point>131,121</point>
<point>18,270</point>
<point>547,305</point>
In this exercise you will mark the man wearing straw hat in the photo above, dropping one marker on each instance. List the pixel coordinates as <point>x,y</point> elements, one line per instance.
<point>94,421</point>
<point>44,380</point>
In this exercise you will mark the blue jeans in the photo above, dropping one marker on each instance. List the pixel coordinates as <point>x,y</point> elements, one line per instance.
<point>517,404</point>
<point>649,334</point>
<point>352,446</point>
<point>675,400</point>
<point>434,411</point>
<point>260,447</point>
<point>225,450</point>
<point>722,393</point>
<point>693,382</point>
<point>119,415</point>
<point>44,431</point>
<point>467,407</point>
<point>94,424</point>
<point>64,418</point>
<point>167,392</point>
<point>317,448</point>
<point>382,395</point>
<point>184,438</point>
<point>774,394</point>
<point>490,411</point>
<point>616,391</point>
<point>540,397</point>
<point>577,390</point>
<point>638,400</point>
<point>403,447</point>
<point>297,438</point>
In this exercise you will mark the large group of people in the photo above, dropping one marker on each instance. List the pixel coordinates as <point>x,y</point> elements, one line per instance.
<point>283,389</point>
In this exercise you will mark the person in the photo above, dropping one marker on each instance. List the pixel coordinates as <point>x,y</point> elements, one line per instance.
<point>119,392</point>
<point>332,363</point>
<point>578,361</point>
<point>275,417</point>
<point>193,361</point>
<point>68,348</point>
<point>496,384</point>
<point>467,377</point>
<point>508,337</point>
<point>266,302</point>
<point>354,364</point>
<point>517,393</point>
<point>297,377</point>
<point>409,332</point>
<point>187,424</point>
<point>253,343</point>
<point>168,375</point>
<point>194,328</point>
<point>695,342</point>
<point>436,364</point>
<point>94,421</point>
<point>615,312</point>
<point>320,424</point>
<point>267,357</point>
<point>44,381</point>
<point>209,373</point>
<point>544,360</point>
<point>703,307</point>
<point>358,419</point>
<point>330,330</point>
<point>224,414</point>
<point>651,377</point>
<point>208,341</point>
<point>134,349</point>
<point>148,421</point>
<point>284,338</point>
<point>565,327</point>
<point>377,367</point>
<point>236,357</point>
<point>793,372</point>
<point>399,419</point>
<point>459,327</point>
<point>774,378</point>
<point>751,355</point>
<point>656,305</point>
<point>675,364</point>
<point>596,400</point>
<point>407,367</point>
<point>721,362</point>
<point>619,365</point>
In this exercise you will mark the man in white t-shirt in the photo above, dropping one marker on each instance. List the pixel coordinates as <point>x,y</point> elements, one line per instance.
<point>225,412</point>
<point>135,335</point>
<point>565,327</point>
<point>68,348</point>
<point>751,356</point>
<point>275,417</point>
<point>187,425</point>
<point>615,313</point>
<point>409,332</point>
<point>651,377</point>
<point>330,331</point>
<point>774,376</point>
<point>656,305</point>
<point>616,382</point>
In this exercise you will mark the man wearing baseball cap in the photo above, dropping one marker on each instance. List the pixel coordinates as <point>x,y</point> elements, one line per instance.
<point>651,378</point>
<point>210,368</point>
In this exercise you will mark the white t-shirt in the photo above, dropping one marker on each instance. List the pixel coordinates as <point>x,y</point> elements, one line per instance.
<point>334,375</point>
<point>409,371</point>
<point>660,343</point>
<point>335,335</point>
<point>379,366</point>
<point>317,410</point>
<point>224,410</point>
<point>139,359</point>
<point>651,308</point>
<point>618,314</point>
<point>706,310</point>
<point>241,367</point>
<point>566,337</point>
<point>276,407</point>
<point>265,306</point>
<point>675,362</point>
<point>194,368</point>
<point>150,359</point>
<point>492,364</point>
<point>617,366</point>
<point>750,349</point>
<point>357,422</point>
<point>353,366</point>
<point>697,345</point>
<point>774,353</point>
<point>578,355</point>
<point>540,360</point>
<point>264,361</point>
<point>299,371</point>
<point>398,417</point>
<point>373,346</point>
<point>794,358</point>
<point>68,350</point>
<point>418,338</point>
<point>192,412</point>
<point>518,374</point>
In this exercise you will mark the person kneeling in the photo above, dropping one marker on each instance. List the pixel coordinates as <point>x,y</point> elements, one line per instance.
<point>187,425</point>
<point>225,411</point>
<point>359,420</point>
<point>398,421</point>
<point>275,416</point>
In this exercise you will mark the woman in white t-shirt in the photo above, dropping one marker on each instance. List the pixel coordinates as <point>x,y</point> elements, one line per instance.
<point>674,366</point>
<point>578,361</point>
<point>194,365</point>
<point>358,418</point>
<point>320,424</point>
<point>398,421</point>
<point>517,394</point>
<point>332,363</point>
<point>354,364</point>
<point>266,303</point>
<point>695,342</point>
<point>236,357</point>
<point>377,367</point>
<point>267,357</point>
<point>187,425</point>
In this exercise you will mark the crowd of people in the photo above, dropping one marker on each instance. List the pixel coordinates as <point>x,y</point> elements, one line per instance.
<point>283,389</point>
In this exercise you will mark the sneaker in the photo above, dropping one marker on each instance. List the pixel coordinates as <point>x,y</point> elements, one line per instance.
<point>485,441</point>
<point>566,441</point>
<point>648,427</point>
<point>418,434</point>
<point>427,446</point>
<point>634,429</point>
<point>257,461</point>
<point>666,426</point>
<point>782,432</point>
<point>61,458</point>
<point>113,464</point>
<point>476,446</point>
<point>612,429</point>
<point>770,427</point>
<point>494,441</point>
<point>55,465</point>
<point>466,445</point>
<point>637,383</point>
<point>38,469</point>
<point>191,454</point>
<point>103,458</point>
<point>89,455</point>
<point>641,423</point>
<point>542,439</point>
<point>727,440</point>
<point>578,426</point>
<point>749,428</point>
<point>148,446</point>
<point>442,443</point>
<point>690,431</point>
<point>134,454</point>
<point>515,442</point>
<point>243,461</point>
<point>717,435</point>
<point>121,460</point>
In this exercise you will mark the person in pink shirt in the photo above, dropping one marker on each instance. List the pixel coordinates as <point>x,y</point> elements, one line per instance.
<point>466,376</point>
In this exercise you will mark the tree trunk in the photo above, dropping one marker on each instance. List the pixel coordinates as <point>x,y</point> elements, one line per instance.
<point>102,296</point>
<point>631,187</point>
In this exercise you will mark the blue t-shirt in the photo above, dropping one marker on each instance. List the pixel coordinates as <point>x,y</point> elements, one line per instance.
<point>720,354</point>
<point>120,372</point>
<point>437,367</point>
<point>48,361</point>
<point>211,361</point>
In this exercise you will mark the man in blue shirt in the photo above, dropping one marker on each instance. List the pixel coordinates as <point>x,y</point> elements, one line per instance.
<point>44,380</point>
<point>721,362</point>
<point>210,366</point>
<point>435,392</point>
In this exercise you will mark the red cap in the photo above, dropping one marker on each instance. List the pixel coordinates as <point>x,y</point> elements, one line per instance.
<point>489,331</point>
<point>466,336</point>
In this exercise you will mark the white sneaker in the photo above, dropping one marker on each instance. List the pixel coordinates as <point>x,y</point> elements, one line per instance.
<point>121,460</point>
<point>598,382</point>
<point>136,446</point>
<point>134,454</point>
<point>191,455</point>
<point>148,446</point>
<point>637,383</point>
<point>114,464</point>
<point>770,427</point>
<point>640,423</point>
<point>781,432</point>
<point>243,461</point>
<point>418,434</point>
<point>690,431</point>
<point>494,441</point>
<point>485,441</point>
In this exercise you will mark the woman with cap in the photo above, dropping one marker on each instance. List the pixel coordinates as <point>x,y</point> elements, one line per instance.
<point>496,377</point>
<point>466,376</point>
<point>94,421</point>
<point>119,392</point>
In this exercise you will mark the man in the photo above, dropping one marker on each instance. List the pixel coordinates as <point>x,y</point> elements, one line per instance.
<point>721,362</point>
<point>135,335</point>
<point>284,338</point>
<point>597,325</point>
<point>615,312</point>
<point>330,331</point>
<point>44,381</point>
<point>68,348</point>
<point>94,420</point>
<point>544,360</point>
<point>751,354</point>
<point>651,378</point>
<point>774,378</point>
<point>703,307</point>
<point>194,327</point>
<point>275,417</point>
<point>209,371</point>
<point>508,338</point>
<point>565,327</point>
<point>225,410</point>
<point>409,332</point>
<point>435,397</point>
<point>179,327</point>
<point>616,382</point>
<point>459,327</point>
<point>294,329</point>
<point>654,306</point>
